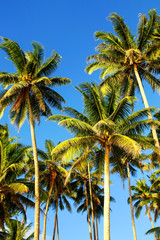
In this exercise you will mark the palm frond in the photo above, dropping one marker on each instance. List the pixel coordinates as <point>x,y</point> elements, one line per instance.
<point>49,66</point>
<point>93,102</point>
<point>72,147</point>
<point>77,127</point>
<point>38,51</point>
<point>127,144</point>
<point>14,53</point>
<point>122,31</point>
<point>19,187</point>
<point>74,113</point>
<point>8,79</point>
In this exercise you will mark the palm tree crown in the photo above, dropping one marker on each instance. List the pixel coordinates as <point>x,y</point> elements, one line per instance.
<point>127,59</point>
<point>121,53</point>
<point>105,122</point>
<point>31,82</point>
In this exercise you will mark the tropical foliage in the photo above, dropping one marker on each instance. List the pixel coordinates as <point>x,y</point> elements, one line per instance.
<point>107,136</point>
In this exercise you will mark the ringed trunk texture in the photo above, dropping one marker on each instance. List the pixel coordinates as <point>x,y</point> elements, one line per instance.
<point>106,195</point>
<point>55,220</point>
<point>154,133</point>
<point>36,167</point>
<point>92,210</point>
<point>131,205</point>
<point>89,218</point>
<point>150,218</point>
<point>45,215</point>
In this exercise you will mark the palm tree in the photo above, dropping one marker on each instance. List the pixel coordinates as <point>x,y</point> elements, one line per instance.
<point>85,185</point>
<point>80,183</point>
<point>142,196</point>
<point>125,168</point>
<point>52,179</point>
<point>106,123</point>
<point>127,59</point>
<point>12,187</point>
<point>29,93</point>
<point>16,231</point>
<point>83,199</point>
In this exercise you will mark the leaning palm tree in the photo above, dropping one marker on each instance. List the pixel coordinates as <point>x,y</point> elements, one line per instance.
<point>29,94</point>
<point>106,122</point>
<point>129,60</point>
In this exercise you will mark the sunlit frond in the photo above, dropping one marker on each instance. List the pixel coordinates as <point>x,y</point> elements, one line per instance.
<point>127,144</point>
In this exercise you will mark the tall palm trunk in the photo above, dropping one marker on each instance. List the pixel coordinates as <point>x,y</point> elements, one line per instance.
<point>96,227</point>
<point>155,137</point>
<point>91,199</point>
<point>55,220</point>
<point>57,229</point>
<point>36,168</point>
<point>89,218</point>
<point>131,205</point>
<point>150,218</point>
<point>45,215</point>
<point>106,194</point>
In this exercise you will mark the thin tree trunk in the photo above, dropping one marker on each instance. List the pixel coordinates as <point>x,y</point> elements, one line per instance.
<point>92,210</point>
<point>24,216</point>
<point>89,218</point>
<point>36,167</point>
<point>57,229</point>
<point>97,227</point>
<point>106,195</point>
<point>55,220</point>
<point>150,218</point>
<point>131,205</point>
<point>154,133</point>
<point>45,215</point>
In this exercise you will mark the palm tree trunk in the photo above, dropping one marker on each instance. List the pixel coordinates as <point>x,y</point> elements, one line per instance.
<point>96,227</point>
<point>150,218</point>
<point>45,215</point>
<point>155,137</point>
<point>131,205</point>
<point>36,167</point>
<point>57,229</point>
<point>24,216</point>
<point>89,218</point>
<point>92,210</point>
<point>106,195</point>
<point>55,220</point>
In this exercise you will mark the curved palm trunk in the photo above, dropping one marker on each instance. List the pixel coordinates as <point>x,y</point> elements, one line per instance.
<point>92,210</point>
<point>106,195</point>
<point>55,220</point>
<point>96,227</point>
<point>37,199</point>
<point>45,216</point>
<point>89,218</point>
<point>131,205</point>
<point>149,215</point>
<point>24,217</point>
<point>154,133</point>
<point>57,229</point>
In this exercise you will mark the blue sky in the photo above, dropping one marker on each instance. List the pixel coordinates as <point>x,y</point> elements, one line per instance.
<point>68,27</point>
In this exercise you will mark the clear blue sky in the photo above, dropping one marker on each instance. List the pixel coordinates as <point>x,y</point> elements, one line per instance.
<point>68,27</point>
